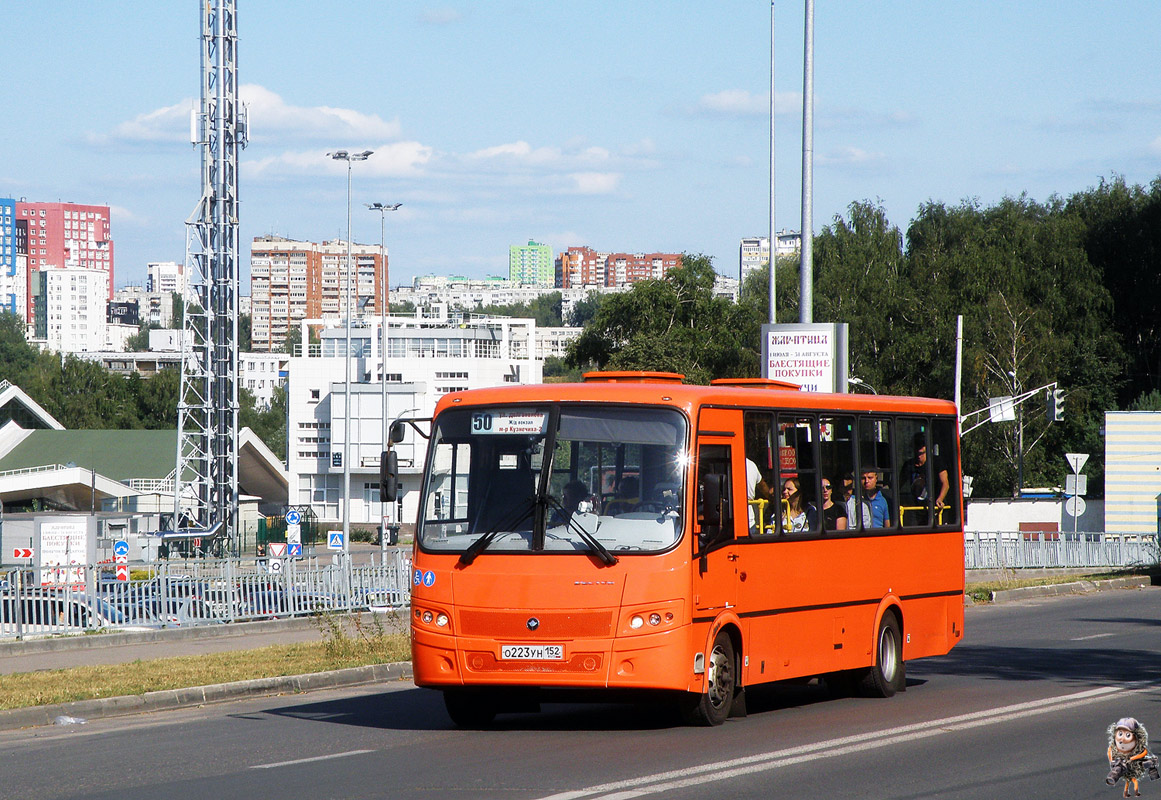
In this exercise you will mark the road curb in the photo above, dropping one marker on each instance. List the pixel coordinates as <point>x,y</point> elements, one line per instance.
<point>1072,587</point>
<point>170,699</point>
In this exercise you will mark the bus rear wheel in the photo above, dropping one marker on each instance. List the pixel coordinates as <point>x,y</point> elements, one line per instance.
<point>713,706</point>
<point>470,709</point>
<point>887,675</point>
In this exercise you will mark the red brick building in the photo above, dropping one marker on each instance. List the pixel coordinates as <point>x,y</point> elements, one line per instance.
<point>67,235</point>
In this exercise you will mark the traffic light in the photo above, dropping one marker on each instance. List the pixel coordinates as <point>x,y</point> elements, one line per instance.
<point>1055,403</point>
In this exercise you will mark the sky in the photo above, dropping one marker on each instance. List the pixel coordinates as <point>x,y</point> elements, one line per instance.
<point>624,125</point>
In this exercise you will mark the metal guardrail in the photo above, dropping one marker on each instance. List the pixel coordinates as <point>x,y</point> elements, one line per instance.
<point>195,593</point>
<point>1023,550</point>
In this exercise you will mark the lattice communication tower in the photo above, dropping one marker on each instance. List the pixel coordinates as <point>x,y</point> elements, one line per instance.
<point>206,480</point>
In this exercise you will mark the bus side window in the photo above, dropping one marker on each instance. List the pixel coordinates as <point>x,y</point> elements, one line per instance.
<point>944,460</point>
<point>876,472</point>
<point>714,485</point>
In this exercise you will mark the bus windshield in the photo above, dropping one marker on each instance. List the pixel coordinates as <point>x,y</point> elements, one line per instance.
<point>556,479</point>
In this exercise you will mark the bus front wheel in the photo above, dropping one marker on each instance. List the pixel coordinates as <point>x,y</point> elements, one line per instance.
<point>470,709</point>
<point>713,706</point>
<point>887,675</point>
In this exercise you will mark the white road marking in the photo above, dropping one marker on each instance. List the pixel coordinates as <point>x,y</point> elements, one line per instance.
<point>761,762</point>
<point>309,760</point>
<point>1094,636</point>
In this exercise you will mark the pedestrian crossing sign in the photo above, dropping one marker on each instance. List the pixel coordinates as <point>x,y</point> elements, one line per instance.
<point>335,540</point>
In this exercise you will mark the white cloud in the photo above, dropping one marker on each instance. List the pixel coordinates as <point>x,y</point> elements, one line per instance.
<point>123,216</point>
<point>270,117</point>
<point>521,153</point>
<point>743,103</point>
<point>388,160</point>
<point>1155,145</point>
<point>167,124</point>
<point>594,182</point>
<point>850,157</point>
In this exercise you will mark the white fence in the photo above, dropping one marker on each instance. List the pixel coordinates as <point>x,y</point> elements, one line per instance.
<point>196,592</point>
<point>1020,550</point>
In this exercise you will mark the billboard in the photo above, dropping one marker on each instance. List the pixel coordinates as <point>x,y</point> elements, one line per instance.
<point>813,355</point>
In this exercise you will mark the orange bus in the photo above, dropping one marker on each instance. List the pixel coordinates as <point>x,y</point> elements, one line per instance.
<point>633,532</point>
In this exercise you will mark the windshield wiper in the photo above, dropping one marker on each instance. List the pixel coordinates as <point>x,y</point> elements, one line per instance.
<point>603,553</point>
<point>503,526</point>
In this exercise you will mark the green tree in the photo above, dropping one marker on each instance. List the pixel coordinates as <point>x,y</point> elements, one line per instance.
<point>1122,237</point>
<point>244,343</point>
<point>268,423</point>
<point>545,309</point>
<point>674,324</point>
<point>139,342</point>
<point>585,310</point>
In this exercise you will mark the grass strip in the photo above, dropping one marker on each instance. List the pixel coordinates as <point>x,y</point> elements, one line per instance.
<point>348,643</point>
<point>982,592</point>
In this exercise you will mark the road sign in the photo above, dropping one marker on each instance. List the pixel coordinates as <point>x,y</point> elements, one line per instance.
<point>294,549</point>
<point>335,540</point>
<point>294,533</point>
<point>276,549</point>
<point>293,517</point>
<point>275,565</point>
<point>1076,460</point>
<point>122,572</point>
<point>22,552</point>
<point>120,559</point>
<point>1075,484</point>
<point>121,548</point>
<point>1075,505</point>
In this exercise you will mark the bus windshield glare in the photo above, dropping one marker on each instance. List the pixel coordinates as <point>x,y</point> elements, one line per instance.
<point>558,479</point>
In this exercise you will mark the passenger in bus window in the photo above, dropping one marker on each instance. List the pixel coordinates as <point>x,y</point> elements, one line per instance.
<point>834,515</point>
<point>914,477</point>
<point>798,519</point>
<point>627,497</point>
<point>849,502</point>
<point>876,498</point>
<point>574,493</point>
<point>757,489</point>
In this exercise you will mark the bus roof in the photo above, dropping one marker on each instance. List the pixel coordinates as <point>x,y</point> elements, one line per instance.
<point>664,389</point>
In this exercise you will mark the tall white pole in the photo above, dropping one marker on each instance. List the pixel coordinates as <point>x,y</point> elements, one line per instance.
<point>806,264</point>
<point>347,390</point>
<point>773,234</point>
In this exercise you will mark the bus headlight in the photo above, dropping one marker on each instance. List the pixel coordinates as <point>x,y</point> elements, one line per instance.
<point>432,619</point>
<point>653,618</point>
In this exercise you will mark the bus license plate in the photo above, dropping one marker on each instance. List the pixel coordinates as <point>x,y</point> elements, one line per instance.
<point>532,652</point>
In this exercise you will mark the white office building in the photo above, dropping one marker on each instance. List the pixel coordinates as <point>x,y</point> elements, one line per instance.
<point>426,359</point>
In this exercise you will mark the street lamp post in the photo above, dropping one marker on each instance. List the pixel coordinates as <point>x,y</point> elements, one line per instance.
<point>383,209</point>
<point>853,381</point>
<point>343,155</point>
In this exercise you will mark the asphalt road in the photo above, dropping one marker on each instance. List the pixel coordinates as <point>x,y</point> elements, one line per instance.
<point>1018,710</point>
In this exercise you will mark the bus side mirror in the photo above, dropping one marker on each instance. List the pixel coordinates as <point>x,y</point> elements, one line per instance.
<point>396,434</point>
<point>388,473</point>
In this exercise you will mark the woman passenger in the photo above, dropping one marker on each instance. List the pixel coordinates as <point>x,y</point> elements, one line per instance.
<point>834,515</point>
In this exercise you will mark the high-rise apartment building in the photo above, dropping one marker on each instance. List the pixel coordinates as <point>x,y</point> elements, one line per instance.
<point>292,280</point>
<point>67,235</point>
<point>166,276</point>
<point>754,251</point>
<point>70,308</point>
<point>13,279</point>
<point>580,266</point>
<point>531,264</point>
<point>623,269</point>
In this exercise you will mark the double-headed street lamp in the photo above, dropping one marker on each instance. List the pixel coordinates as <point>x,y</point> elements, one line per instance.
<point>343,155</point>
<point>383,209</point>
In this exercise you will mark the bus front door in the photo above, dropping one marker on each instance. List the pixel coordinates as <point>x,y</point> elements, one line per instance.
<point>715,549</point>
